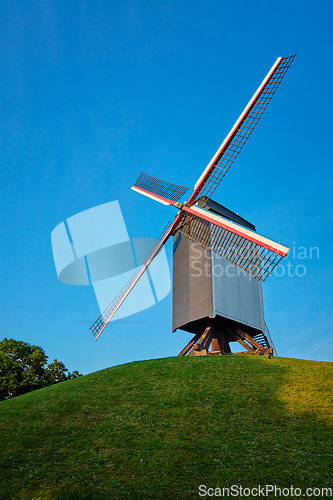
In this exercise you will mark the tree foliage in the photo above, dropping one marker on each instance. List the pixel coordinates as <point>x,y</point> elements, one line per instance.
<point>22,369</point>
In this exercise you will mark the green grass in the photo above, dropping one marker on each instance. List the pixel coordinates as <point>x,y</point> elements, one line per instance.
<point>158,429</point>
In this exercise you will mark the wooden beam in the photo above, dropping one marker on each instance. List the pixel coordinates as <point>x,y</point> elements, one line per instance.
<point>247,337</point>
<point>203,337</point>
<point>237,337</point>
<point>264,351</point>
<point>223,344</point>
<point>189,345</point>
<point>245,352</point>
<point>208,339</point>
<point>216,348</point>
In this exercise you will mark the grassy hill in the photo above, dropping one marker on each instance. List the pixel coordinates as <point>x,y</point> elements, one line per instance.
<point>158,429</point>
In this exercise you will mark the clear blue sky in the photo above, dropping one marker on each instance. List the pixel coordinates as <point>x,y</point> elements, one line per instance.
<point>93,92</point>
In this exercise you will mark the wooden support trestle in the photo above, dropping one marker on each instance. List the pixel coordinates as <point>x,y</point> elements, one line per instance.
<point>218,334</point>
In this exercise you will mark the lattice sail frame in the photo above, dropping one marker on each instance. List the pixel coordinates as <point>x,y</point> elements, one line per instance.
<point>241,131</point>
<point>98,326</point>
<point>162,188</point>
<point>254,258</point>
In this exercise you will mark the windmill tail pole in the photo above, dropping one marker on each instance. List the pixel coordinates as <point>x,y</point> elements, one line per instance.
<point>270,339</point>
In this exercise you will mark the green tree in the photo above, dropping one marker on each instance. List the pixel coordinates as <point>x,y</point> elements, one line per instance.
<point>57,372</point>
<point>22,369</point>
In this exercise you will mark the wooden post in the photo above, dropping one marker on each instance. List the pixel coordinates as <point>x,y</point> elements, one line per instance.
<point>188,346</point>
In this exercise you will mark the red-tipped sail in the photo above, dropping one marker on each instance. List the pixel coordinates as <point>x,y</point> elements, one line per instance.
<point>164,189</point>
<point>247,249</point>
<point>241,131</point>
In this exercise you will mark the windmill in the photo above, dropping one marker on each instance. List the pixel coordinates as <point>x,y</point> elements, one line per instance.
<point>215,309</point>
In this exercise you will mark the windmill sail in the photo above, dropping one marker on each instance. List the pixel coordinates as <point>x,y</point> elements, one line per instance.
<point>254,253</point>
<point>98,326</point>
<point>241,131</point>
<point>148,184</point>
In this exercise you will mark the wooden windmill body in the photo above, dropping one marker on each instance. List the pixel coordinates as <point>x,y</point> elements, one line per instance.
<point>219,259</point>
<point>215,300</point>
